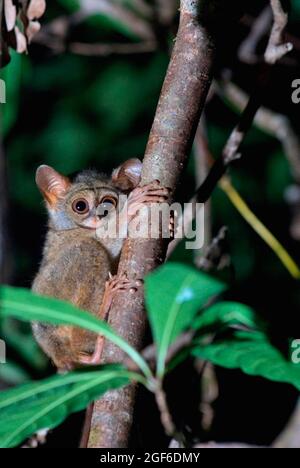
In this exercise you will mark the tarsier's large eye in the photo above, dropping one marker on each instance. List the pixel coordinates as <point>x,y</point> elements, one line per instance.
<point>80,206</point>
<point>108,204</point>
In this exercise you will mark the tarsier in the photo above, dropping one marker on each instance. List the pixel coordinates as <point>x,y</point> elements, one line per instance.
<point>77,266</point>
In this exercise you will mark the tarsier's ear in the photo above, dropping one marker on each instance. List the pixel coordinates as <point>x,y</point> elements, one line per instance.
<point>128,176</point>
<point>52,184</point>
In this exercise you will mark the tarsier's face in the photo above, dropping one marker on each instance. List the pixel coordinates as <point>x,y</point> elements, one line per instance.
<point>90,199</point>
<point>87,208</point>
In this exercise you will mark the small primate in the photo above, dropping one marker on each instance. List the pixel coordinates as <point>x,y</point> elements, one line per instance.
<point>77,266</point>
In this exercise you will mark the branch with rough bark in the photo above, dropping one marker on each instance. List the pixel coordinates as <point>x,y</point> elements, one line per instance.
<point>181,103</point>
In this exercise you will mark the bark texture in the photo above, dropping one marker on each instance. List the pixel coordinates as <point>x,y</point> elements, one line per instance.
<point>181,102</point>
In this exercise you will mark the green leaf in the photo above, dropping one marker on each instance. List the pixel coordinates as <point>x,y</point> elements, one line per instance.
<point>24,305</point>
<point>31,407</point>
<point>252,353</point>
<point>226,314</point>
<point>174,295</point>
<point>219,316</point>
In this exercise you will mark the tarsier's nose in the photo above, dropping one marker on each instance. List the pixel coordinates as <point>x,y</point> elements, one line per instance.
<point>107,205</point>
<point>101,211</point>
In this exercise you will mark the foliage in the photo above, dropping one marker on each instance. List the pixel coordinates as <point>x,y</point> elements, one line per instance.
<point>26,409</point>
<point>171,311</point>
<point>47,403</point>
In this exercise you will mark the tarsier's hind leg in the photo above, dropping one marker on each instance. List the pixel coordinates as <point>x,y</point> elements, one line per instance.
<point>114,285</point>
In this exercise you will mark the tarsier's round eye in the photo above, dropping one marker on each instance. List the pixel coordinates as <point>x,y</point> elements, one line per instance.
<point>107,204</point>
<point>80,206</point>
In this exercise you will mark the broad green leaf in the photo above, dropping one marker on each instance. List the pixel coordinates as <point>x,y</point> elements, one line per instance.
<point>252,353</point>
<point>25,410</point>
<point>218,317</point>
<point>24,305</point>
<point>174,295</point>
<point>226,314</point>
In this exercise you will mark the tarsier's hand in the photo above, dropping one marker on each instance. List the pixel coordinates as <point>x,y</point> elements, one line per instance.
<point>141,196</point>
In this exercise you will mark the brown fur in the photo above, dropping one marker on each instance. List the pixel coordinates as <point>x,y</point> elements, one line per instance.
<point>76,265</point>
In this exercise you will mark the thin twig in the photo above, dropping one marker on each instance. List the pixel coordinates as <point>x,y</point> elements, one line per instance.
<point>277,48</point>
<point>247,20</point>
<point>166,418</point>
<point>259,28</point>
<point>213,253</point>
<point>209,392</point>
<point>231,150</point>
<point>260,228</point>
<point>280,127</point>
<point>140,27</point>
<point>150,354</point>
<point>54,35</point>
<point>276,125</point>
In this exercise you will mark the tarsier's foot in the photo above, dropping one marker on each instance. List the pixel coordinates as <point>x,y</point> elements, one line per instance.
<point>114,285</point>
<point>120,283</point>
<point>95,358</point>
<point>151,193</point>
<point>65,367</point>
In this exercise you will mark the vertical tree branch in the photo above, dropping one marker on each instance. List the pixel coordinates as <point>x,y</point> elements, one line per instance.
<point>181,103</point>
